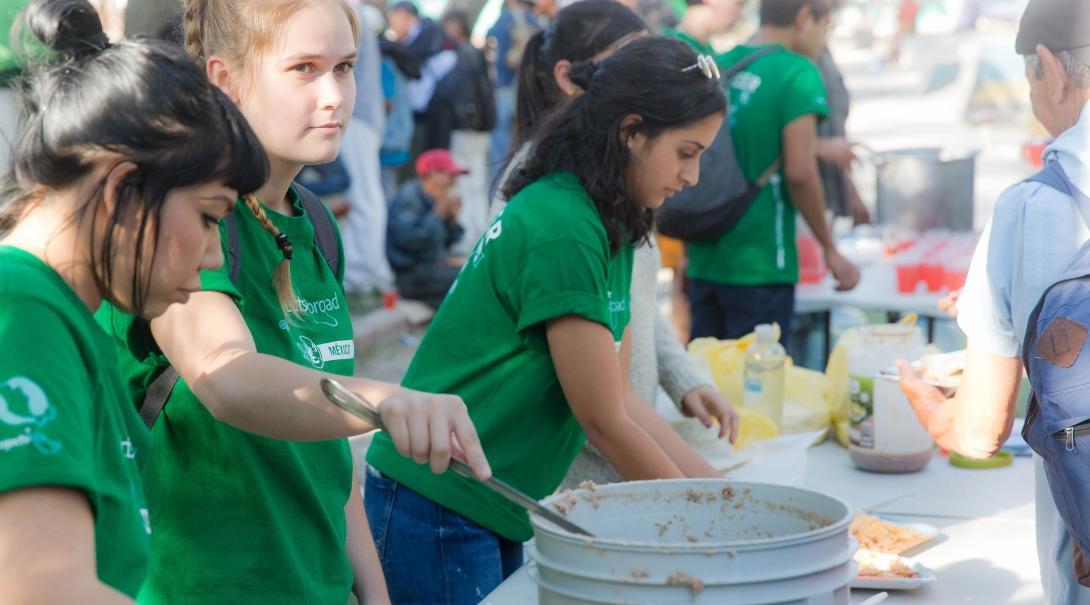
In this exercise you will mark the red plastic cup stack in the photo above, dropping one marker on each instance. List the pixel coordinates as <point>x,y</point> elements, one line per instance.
<point>939,260</point>
<point>812,267</point>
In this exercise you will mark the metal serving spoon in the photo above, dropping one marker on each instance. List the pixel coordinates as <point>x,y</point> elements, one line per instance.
<point>361,408</point>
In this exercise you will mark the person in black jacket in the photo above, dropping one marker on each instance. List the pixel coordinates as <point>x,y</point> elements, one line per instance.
<point>427,41</point>
<point>422,226</point>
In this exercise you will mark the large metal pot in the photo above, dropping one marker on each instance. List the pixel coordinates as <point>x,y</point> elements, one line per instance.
<point>921,189</point>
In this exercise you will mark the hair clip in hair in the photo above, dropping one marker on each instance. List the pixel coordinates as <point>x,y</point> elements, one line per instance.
<point>707,66</point>
<point>284,244</point>
<point>99,42</point>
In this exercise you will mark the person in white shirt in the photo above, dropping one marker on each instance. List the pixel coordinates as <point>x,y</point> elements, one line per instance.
<point>1033,234</point>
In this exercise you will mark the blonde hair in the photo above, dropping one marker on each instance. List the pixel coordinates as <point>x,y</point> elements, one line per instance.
<point>239,31</point>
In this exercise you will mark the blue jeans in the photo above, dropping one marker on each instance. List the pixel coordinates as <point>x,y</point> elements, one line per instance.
<point>724,312</point>
<point>431,555</point>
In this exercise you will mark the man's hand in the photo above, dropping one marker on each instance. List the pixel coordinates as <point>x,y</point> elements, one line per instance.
<point>949,303</point>
<point>837,150</point>
<point>447,206</point>
<point>704,402</point>
<point>845,273</point>
<point>932,408</point>
<point>860,213</point>
<point>455,202</point>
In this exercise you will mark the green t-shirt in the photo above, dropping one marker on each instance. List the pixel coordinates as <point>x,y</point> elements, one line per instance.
<point>240,518</point>
<point>699,47</point>
<point>9,12</point>
<point>764,98</point>
<point>65,417</point>
<point>544,257</point>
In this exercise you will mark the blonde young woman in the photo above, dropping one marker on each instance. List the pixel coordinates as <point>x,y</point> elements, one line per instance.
<point>252,485</point>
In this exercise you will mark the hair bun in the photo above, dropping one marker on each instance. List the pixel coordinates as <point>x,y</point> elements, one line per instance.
<point>72,28</point>
<point>582,73</point>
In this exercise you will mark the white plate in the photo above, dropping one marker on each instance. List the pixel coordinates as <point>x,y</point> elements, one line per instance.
<point>926,576</point>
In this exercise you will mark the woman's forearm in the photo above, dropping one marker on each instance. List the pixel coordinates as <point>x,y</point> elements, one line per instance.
<point>680,453</point>
<point>279,399</point>
<point>589,370</point>
<point>370,583</point>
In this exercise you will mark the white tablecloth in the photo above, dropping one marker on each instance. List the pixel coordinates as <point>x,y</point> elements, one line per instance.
<point>988,555</point>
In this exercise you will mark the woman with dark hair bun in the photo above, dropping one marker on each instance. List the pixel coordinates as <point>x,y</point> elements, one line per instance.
<point>581,32</point>
<point>594,29</point>
<point>534,334</point>
<point>126,160</point>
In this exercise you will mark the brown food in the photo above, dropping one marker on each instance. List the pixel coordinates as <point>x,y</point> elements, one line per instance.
<point>567,502</point>
<point>882,536</point>
<point>663,528</point>
<point>871,567</point>
<point>681,579</point>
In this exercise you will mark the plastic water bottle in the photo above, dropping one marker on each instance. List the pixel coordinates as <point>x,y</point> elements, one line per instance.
<point>764,375</point>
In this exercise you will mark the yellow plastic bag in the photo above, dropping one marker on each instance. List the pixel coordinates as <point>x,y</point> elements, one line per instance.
<point>836,383</point>
<point>836,373</point>
<point>805,405</point>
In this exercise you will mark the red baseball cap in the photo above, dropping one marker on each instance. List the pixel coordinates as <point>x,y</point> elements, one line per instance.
<point>438,160</point>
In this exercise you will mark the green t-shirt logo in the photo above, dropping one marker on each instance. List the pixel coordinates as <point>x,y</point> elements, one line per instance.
<point>319,312</point>
<point>23,405</point>
<point>495,230</point>
<point>311,351</point>
<point>746,84</point>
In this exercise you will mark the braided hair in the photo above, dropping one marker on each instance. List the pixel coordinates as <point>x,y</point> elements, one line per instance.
<point>237,31</point>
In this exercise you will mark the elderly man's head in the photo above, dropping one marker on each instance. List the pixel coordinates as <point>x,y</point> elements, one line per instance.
<point>1054,38</point>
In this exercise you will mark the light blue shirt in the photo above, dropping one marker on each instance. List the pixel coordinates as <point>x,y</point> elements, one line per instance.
<point>1029,241</point>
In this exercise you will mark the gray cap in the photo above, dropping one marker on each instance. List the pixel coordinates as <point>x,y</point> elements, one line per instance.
<point>1057,25</point>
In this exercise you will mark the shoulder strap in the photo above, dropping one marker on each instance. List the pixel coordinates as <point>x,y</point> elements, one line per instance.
<point>325,232</point>
<point>740,66</point>
<point>325,237</point>
<point>1054,176</point>
<point>234,247</point>
<point>158,393</point>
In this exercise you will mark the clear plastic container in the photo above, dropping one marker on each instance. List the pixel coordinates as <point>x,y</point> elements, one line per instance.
<point>884,435</point>
<point>764,375</point>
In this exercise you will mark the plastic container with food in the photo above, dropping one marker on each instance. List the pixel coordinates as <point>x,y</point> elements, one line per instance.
<point>885,435</point>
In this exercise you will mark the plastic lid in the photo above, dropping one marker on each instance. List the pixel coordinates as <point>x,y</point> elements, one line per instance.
<point>766,333</point>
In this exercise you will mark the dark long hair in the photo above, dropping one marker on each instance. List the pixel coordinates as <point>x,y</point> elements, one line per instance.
<point>142,101</point>
<point>579,32</point>
<point>647,78</point>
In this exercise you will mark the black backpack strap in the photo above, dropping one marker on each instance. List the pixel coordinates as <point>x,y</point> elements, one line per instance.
<point>740,66</point>
<point>234,247</point>
<point>325,231</point>
<point>160,389</point>
<point>325,237</point>
<point>158,394</point>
